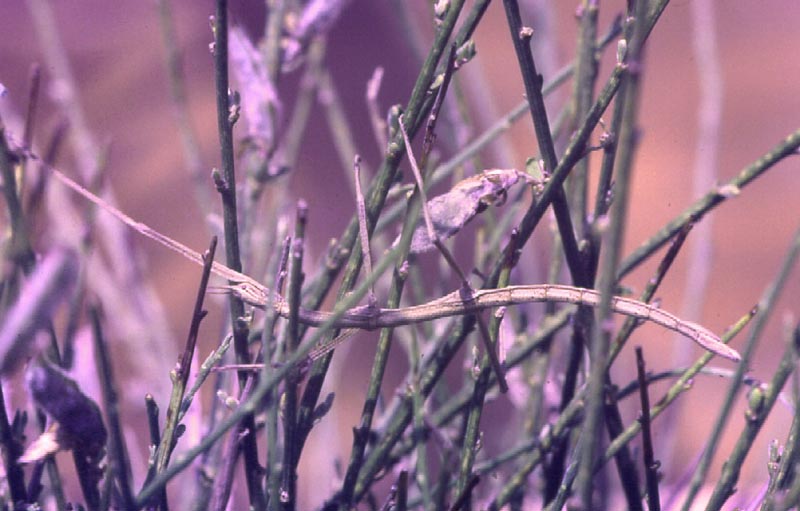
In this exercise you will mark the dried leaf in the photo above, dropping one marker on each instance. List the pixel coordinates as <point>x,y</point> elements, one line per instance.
<point>453,210</point>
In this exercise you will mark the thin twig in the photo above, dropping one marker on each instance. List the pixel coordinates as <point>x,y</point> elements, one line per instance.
<point>761,400</point>
<point>714,197</point>
<point>291,446</point>
<point>375,117</point>
<point>521,38</point>
<point>180,375</point>
<point>450,305</point>
<point>764,309</point>
<point>33,103</point>
<point>180,107</point>
<point>226,185</point>
<point>650,464</point>
<point>612,253</point>
<point>362,228</point>
<point>118,455</point>
<point>12,449</point>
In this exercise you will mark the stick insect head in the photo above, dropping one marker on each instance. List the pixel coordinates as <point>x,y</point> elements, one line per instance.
<point>250,292</point>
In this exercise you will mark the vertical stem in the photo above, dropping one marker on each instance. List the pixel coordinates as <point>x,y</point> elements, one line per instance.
<point>521,37</point>
<point>585,78</point>
<point>227,190</point>
<point>19,250</point>
<point>117,452</point>
<point>291,447</point>
<point>12,451</point>
<point>178,93</point>
<point>765,307</point>
<point>650,464</point>
<point>610,258</point>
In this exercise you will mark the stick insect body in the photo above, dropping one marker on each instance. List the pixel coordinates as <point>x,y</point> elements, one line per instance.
<point>453,304</point>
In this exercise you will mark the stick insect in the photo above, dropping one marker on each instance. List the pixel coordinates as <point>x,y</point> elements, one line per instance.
<point>452,304</point>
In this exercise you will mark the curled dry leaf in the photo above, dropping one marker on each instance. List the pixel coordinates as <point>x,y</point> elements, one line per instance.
<point>453,210</point>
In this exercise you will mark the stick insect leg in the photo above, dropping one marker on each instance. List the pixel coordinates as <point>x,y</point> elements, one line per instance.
<point>362,229</point>
<point>466,289</point>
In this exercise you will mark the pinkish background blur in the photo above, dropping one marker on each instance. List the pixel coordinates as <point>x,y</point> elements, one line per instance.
<point>117,55</point>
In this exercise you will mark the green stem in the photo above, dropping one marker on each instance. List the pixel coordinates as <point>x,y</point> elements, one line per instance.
<point>612,249</point>
<point>413,118</point>
<point>117,452</point>
<point>520,36</point>
<point>729,190</point>
<point>227,189</point>
<point>760,404</point>
<point>764,311</point>
<point>291,446</point>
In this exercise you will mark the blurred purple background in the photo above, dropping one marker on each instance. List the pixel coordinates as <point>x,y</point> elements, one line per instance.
<point>117,55</point>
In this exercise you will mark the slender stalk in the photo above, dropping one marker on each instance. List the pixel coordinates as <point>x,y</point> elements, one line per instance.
<point>761,401</point>
<point>765,308</point>
<point>19,249</point>
<point>586,63</point>
<point>650,463</point>
<point>226,185</point>
<point>469,443</point>
<point>682,385</point>
<point>291,445</point>
<point>180,107</point>
<point>12,450</point>
<point>361,433</point>
<point>180,375</point>
<point>521,37</point>
<point>117,454</point>
<point>627,468</point>
<point>610,257</point>
<point>787,467</point>
<point>714,197</point>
